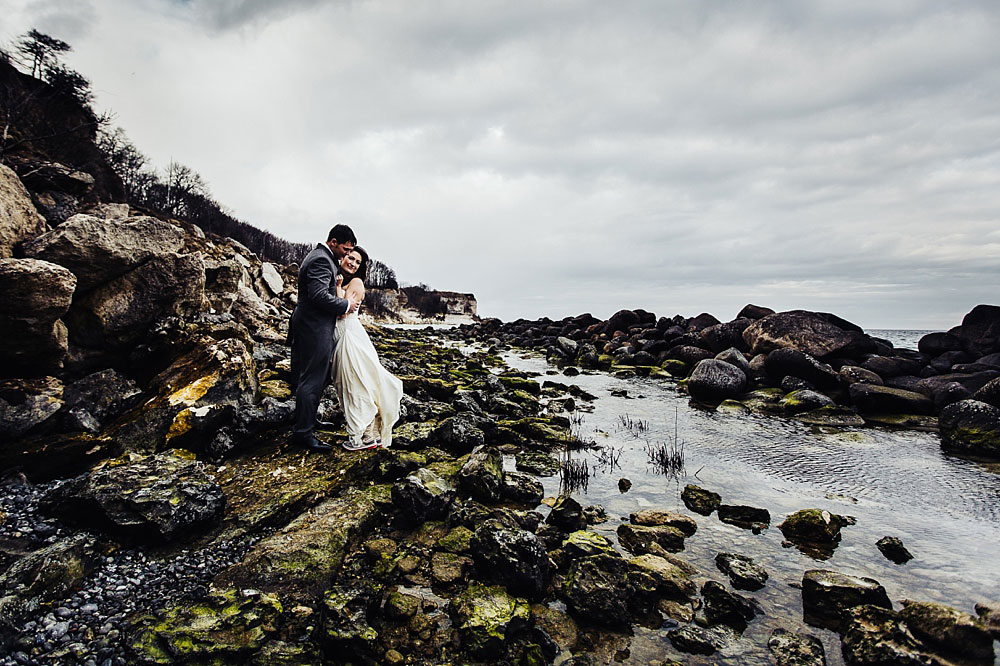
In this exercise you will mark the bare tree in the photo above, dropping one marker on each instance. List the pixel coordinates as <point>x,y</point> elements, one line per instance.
<point>381,276</point>
<point>126,161</point>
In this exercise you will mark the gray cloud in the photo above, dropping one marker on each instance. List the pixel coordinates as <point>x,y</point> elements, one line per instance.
<point>556,158</point>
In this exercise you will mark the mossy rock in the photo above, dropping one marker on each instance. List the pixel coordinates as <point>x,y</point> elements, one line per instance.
<point>413,434</point>
<point>226,628</point>
<point>417,385</point>
<point>813,525</point>
<point>276,388</point>
<point>831,416</point>
<point>457,540</point>
<point>541,429</point>
<point>483,615</point>
<point>764,401</point>
<point>300,560</point>
<point>539,463</point>
<point>730,406</point>
<point>675,367</point>
<point>529,386</point>
<point>906,422</point>
<point>584,543</point>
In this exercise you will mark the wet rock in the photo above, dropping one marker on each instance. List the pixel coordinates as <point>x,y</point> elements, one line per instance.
<point>894,550</point>
<point>33,337</point>
<point>299,560</point>
<point>653,575</point>
<point>714,381</point>
<point>119,312</point>
<point>989,615</point>
<point>735,357</point>
<point>344,626</point>
<point>889,367</point>
<point>813,526</point>
<point>449,568</point>
<point>729,335</point>
<point>482,475</point>
<point>874,634</point>
<point>949,393</point>
<point>556,625</point>
<point>567,515</point>
<point>220,376</point>
<point>989,393</point>
<point>805,400</point>
<point>461,433</point>
<point>725,607</point>
<point>102,395</point>
<point>595,590</point>
<point>747,517</point>
<point>855,374</point>
<point>828,595</point>
<point>782,363</point>
<point>485,616</point>
<point>743,572</point>
<point>980,329</point>
<point>873,399</point>
<point>687,354</point>
<point>521,489</point>
<point>98,250</point>
<point>228,627</point>
<point>971,427</point>
<point>422,496</point>
<point>154,498</point>
<point>19,221</point>
<point>751,311</point>
<point>584,543</point>
<point>45,575</point>
<point>791,649</point>
<point>947,631</point>
<point>624,485</point>
<point>639,539</point>
<point>657,517</point>
<point>700,640</point>
<point>808,332</point>
<point>515,559</point>
<point>971,381</point>
<point>27,403</point>
<point>700,500</point>
<point>935,344</point>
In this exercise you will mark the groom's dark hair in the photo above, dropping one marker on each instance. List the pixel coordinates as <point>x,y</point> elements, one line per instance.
<point>342,234</point>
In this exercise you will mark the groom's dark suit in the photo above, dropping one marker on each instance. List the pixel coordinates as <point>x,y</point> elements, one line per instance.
<point>311,332</point>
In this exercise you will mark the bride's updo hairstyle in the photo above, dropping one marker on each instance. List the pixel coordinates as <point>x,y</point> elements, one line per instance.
<point>362,271</point>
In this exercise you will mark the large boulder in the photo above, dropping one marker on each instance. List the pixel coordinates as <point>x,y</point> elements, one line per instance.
<point>27,403</point>
<point>751,311</point>
<point>485,616</point>
<point>98,250</point>
<point>19,221</point>
<point>595,590</point>
<point>620,321</point>
<point>514,558</point>
<point>422,496</point>
<point>156,498</point>
<point>300,560</point>
<point>45,575</point>
<point>809,332</point>
<point>192,399</point>
<point>948,631</point>
<point>119,312</point>
<point>94,400</point>
<point>828,595</point>
<point>874,399</point>
<point>789,362</point>
<point>980,330</point>
<point>935,344</point>
<point>875,634</point>
<point>33,338</point>
<point>971,427</point>
<point>723,336</point>
<point>715,381</point>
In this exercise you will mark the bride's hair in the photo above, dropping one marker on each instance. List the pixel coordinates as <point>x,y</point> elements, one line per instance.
<point>362,271</point>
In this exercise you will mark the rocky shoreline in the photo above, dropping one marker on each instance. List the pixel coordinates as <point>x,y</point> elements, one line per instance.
<point>153,511</point>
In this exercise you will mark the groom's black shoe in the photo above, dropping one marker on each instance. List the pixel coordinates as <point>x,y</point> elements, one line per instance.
<point>310,442</point>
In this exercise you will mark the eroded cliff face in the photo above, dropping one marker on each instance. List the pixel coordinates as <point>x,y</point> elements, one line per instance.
<point>394,306</point>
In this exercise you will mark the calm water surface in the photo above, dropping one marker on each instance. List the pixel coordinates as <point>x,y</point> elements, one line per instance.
<point>945,509</point>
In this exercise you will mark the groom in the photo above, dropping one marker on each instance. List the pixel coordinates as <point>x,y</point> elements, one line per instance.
<point>311,330</point>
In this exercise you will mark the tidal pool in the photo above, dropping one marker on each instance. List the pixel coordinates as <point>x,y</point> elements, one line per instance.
<point>945,509</point>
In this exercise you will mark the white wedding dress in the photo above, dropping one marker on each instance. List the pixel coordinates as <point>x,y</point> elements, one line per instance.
<point>369,394</point>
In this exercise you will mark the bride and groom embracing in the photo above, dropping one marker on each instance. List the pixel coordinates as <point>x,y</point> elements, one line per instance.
<point>330,344</point>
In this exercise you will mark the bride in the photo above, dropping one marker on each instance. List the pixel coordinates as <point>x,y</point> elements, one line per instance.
<point>369,394</point>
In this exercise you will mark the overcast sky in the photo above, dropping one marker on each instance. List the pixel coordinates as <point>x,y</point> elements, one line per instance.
<point>560,157</point>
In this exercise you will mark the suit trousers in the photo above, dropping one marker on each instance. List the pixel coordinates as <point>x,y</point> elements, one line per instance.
<point>312,354</point>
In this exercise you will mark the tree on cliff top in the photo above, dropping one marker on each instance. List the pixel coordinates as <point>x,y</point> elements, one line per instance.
<point>39,49</point>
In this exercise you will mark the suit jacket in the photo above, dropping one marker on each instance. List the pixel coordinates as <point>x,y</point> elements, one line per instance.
<point>318,306</point>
